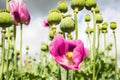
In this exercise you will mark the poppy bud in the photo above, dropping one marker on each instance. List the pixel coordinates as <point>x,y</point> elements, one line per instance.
<point>99,18</point>
<point>87,18</point>
<point>67,25</point>
<point>44,47</point>
<point>104,26</point>
<point>62,6</point>
<point>113,25</point>
<point>77,5</point>
<point>89,4</point>
<point>54,17</point>
<point>6,19</point>
<point>51,35</point>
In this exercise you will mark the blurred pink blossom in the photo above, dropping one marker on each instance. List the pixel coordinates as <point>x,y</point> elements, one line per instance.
<point>19,12</point>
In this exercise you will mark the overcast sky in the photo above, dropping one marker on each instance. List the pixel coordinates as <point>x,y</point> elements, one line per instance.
<point>34,33</point>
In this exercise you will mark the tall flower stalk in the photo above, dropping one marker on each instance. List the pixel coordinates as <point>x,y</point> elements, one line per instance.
<point>94,45</point>
<point>21,49</point>
<point>3,52</point>
<point>116,56</point>
<point>8,52</point>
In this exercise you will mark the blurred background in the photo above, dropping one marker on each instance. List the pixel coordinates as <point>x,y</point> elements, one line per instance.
<point>35,33</point>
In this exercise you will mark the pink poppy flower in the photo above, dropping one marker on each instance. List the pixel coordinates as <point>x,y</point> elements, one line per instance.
<point>45,23</point>
<point>19,12</point>
<point>68,53</point>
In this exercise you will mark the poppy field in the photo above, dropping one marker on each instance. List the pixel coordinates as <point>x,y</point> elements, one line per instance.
<point>65,56</point>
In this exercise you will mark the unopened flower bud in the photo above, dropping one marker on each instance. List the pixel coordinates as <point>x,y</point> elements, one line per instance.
<point>51,35</point>
<point>87,18</point>
<point>6,19</point>
<point>27,47</point>
<point>77,5</point>
<point>113,25</point>
<point>99,18</point>
<point>54,17</point>
<point>104,26</point>
<point>44,47</point>
<point>62,6</point>
<point>89,4</point>
<point>67,25</point>
<point>97,9</point>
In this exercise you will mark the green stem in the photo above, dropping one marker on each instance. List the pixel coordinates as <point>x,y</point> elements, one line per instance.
<point>94,46</point>
<point>105,43</point>
<point>7,77</point>
<point>116,55</point>
<point>98,42</point>
<point>14,50</point>
<point>3,52</point>
<point>21,50</point>
<point>59,70</point>
<point>76,25</point>
<point>67,74</point>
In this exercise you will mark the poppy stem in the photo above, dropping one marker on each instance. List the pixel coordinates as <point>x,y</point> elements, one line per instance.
<point>76,25</point>
<point>94,45</point>
<point>3,52</point>
<point>116,55</point>
<point>21,50</point>
<point>14,50</point>
<point>59,68</point>
<point>105,44</point>
<point>8,51</point>
<point>67,74</point>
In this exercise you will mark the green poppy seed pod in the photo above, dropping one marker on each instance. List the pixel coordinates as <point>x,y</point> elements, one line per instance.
<point>89,4</point>
<point>109,47</point>
<point>44,47</point>
<point>54,17</point>
<point>34,59</point>
<point>62,6</point>
<point>17,52</point>
<point>87,18</point>
<point>97,10</point>
<point>6,35</point>
<point>113,25</point>
<point>6,19</point>
<point>51,35</point>
<point>27,47</point>
<point>87,30</point>
<point>104,31</point>
<point>67,25</point>
<point>99,18</point>
<point>11,29</point>
<point>77,5</point>
<point>104,26</point>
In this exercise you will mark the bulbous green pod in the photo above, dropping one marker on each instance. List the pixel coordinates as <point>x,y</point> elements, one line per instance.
<point>54,18</point>
<point>104,26</point>
<point>99,18</point>
<point>77,4</point>
<point>97,10</point>
<point>67,25</point>
<point>113,25</point>
<point>6,19</point>
<point>62,6</point>
<point>89,4</point>
<point>51,35</point>
<point>44,47</point>
<point>27,47</point>
<point>87,18</point>
<point>88,30</point>
<point>11,29</point>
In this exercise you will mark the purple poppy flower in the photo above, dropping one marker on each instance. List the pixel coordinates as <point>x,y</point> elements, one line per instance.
<point>68,53</point>
<point>19,12</point>
<point>45,23</point>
